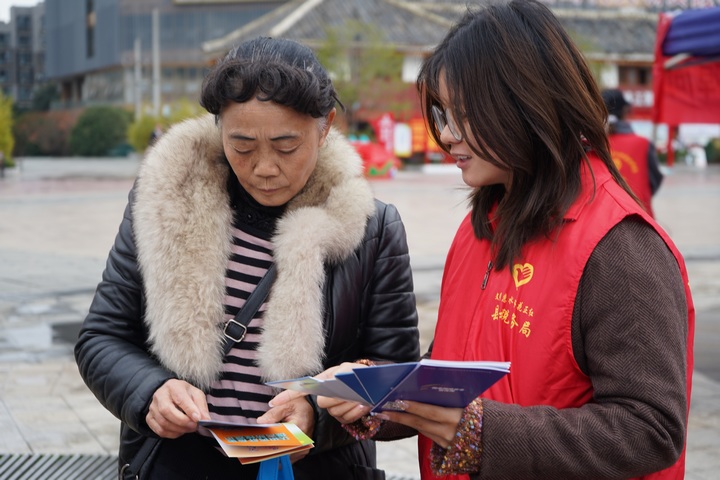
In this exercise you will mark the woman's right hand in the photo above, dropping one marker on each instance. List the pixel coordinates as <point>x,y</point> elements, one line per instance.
<point>176,408</point>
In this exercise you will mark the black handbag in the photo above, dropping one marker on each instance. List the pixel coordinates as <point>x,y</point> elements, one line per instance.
<point>234,331</point>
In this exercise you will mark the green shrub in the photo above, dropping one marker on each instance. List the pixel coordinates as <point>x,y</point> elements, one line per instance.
<point>712,150</point>
<point>141,129</point>
<point>99,130</point>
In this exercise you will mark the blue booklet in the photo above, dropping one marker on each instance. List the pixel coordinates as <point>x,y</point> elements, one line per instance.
<point>436,382</point>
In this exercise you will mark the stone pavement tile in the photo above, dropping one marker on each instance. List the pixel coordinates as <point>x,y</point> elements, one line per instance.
<point>427,318</point>
<point>69,382</point>
<point>399,458</point>
<point>49,425</point>
<point>704,474</point>
<point>6,370</point>
<point>102,425</point>
<point>32,380</point>
<point>26,275</point>
<point>11,439</point>
<point>76,422</point>
<point>703,442</point>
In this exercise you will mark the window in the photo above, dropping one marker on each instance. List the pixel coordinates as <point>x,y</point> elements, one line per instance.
<point>25,94</point>
<point>23,22</point>
<point>634,76</point>
<point>90,28</point>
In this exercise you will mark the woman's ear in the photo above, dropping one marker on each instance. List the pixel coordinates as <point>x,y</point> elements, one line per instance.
<point>328,123</point>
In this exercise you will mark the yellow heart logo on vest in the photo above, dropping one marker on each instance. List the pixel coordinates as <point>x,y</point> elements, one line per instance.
<point>622,158</point>
<point>522,274</point>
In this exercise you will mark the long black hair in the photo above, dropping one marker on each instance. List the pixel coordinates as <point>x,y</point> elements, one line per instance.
<point>522,88</point>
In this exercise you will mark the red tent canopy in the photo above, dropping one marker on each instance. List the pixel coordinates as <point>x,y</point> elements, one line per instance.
<point>686,72</point>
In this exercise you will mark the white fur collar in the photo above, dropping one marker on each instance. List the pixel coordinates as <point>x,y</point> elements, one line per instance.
<point>182,227</point>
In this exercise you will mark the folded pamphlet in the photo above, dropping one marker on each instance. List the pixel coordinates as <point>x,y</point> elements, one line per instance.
<point>252,443</point>
<point>436,382</point>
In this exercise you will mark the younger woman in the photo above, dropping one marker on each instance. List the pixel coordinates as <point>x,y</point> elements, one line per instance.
<point>557,269</point>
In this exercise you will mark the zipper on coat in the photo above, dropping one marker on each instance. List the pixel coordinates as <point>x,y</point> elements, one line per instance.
<point>487,275</point>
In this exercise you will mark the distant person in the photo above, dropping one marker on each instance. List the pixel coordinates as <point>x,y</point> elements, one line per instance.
<point>262,182</point>
<point>156,134</point>
<point>2,164</point>
<point>634,156</point>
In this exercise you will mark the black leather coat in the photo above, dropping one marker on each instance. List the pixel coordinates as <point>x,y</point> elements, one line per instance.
<point>368,312</point>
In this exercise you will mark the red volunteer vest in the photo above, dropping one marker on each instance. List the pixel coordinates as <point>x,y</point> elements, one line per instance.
<point>630,154</point>
<point>524,314</point>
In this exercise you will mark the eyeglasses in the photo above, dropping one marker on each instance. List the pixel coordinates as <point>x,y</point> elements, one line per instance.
<point>445,118</point>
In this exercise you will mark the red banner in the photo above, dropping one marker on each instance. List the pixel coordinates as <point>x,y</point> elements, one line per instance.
<point>384,127</point>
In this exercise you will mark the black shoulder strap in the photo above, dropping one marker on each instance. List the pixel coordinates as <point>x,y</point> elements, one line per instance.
<point>236,328</point>
<point>234,332</point>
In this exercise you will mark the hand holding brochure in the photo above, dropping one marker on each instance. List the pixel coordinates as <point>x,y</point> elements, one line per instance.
<point>436,382</point>
<point>252,443</point>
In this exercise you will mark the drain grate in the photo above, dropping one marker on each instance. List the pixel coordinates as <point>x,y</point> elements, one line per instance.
<point>77,467</point>
<point>58,467</point>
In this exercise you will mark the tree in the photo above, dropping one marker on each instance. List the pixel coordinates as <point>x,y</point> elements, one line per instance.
<point>7,142</point>
<point>183,109</point>
<point>366,72</point>
<point>139,131</point>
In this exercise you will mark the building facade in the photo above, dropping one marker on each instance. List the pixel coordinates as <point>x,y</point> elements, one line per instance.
<point>102,51</point>
<point>22,53</point>
<point>5,59</point>
<point>617,38</point>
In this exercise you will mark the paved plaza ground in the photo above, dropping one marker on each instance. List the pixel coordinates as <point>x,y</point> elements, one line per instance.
<point>58,219</point>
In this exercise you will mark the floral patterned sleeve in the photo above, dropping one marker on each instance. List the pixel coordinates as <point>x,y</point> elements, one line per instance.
<point>463,455</point>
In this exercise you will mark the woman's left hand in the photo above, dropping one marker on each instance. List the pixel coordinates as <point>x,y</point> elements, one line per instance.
<point>439,424</point>
<point>344,411</point>
<point>297,411</point>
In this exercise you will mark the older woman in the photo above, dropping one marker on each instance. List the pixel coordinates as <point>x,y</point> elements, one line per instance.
<point>263,181</point>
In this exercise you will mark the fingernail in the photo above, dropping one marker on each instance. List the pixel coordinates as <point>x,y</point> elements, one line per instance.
<point>196,416</point>
<point>380,415</point>
<point>270,403</point>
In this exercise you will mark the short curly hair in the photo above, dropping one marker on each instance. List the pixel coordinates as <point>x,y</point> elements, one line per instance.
<point>270,69</point>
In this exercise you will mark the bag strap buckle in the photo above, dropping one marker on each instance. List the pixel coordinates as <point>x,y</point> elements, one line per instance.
<point>121,475</point>
<point>231,331</point>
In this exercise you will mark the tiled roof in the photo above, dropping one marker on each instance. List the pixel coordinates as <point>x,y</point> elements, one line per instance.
<point>612,33</point>
<point>419,25</point>
<point>404,25</point>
